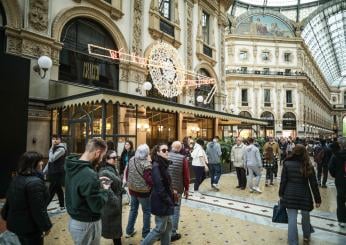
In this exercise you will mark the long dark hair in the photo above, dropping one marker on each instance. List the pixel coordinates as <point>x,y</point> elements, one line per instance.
<point>28,162</point>
<point>131,145</point>
<point>299,153</point>
<point>155,150</point>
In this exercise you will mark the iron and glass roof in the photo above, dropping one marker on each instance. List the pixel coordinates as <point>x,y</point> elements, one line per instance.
<point>276,3</point>
<point>325,36</point>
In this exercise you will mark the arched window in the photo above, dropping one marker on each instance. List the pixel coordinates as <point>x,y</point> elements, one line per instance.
<point>204,90</point>
<point>269,117</point>
<point>245,114</point>
<point>345,99</point>
<point>76,65</point>
<point>289,121</point>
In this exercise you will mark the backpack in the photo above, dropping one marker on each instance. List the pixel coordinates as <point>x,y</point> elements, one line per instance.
<point>318,158</point>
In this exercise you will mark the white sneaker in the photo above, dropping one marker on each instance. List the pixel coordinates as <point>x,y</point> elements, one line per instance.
<point>216,186</point>
<point>257,189</point>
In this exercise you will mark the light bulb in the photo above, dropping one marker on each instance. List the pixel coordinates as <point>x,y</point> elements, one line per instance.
<point>199,98</point>
<point>147,86</point>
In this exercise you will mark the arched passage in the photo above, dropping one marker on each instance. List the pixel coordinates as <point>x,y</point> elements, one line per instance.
<point>268,130</point>
<point>289,125</point>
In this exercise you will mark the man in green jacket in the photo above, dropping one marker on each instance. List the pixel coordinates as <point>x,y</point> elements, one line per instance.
<point>86,194</point>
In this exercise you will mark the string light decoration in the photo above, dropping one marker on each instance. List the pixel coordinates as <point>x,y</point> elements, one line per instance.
<point>167,73</point>
<point>168,76</point>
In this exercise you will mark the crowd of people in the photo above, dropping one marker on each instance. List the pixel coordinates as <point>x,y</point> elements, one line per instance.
<point>157,180</point>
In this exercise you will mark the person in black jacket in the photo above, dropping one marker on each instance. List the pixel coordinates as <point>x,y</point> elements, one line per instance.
<point>112,211</point>
<point>162,203</point>
<point>25,209</point>
<point>337,169</point>
<point>295,194</point>
<point>56,173</point>
<point>322,167</point>
<point>126,155</point>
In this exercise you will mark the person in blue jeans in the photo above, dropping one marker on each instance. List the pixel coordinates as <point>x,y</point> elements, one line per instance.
<point>139,181</point>
<point>295,194</point>
<point>214,153</point>
<point>162,203</point>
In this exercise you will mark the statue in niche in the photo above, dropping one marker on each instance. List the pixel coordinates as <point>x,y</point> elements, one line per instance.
<point>38,14</point>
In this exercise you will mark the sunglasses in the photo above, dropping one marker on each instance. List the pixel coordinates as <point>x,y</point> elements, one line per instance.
<point>164,150</point>
<point>114,158</point>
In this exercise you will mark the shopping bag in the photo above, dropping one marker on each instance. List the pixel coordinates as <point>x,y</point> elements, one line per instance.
<point>279,214</point>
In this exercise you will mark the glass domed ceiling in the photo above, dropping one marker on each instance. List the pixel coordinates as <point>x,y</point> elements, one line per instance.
<point>276,3</point>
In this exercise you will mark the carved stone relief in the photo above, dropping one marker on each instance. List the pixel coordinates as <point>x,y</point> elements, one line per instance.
<point>137,27</point>
<point>14,45</point>
<point>189,36</point>
<point>38,15</point>
<point>35,49</point>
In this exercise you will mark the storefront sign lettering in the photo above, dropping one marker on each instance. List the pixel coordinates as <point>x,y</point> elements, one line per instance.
<point>91,71</point>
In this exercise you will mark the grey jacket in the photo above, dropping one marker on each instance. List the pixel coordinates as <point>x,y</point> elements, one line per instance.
<point>213,152</point>
<point>252,156</point>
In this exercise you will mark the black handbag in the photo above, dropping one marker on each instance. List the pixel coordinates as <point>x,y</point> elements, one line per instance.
<point>279,214</point>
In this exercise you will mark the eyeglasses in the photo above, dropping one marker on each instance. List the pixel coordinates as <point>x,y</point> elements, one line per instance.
<point>164,150</point>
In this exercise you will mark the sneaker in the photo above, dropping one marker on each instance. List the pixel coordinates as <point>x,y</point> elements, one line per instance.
<point>342,225</point>
<point>238,186</point>
<point>266,185</point>
<point>130,235</point>
<point>175,237</point>
<point>251,190</point>
<point>257,189</point>
<point>271,183</point>
<point>216,186</point>
<point>306,240</point>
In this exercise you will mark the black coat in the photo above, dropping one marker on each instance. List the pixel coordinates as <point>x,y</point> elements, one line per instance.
<point>112,211</point>
<point>337,169</point>
<point>123,162</point>
<point>294,187</point>
<point>161,198</point>
<point>25,209</point>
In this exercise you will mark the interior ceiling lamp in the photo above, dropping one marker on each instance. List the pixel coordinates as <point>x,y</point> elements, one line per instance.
<point>165,68</point>
<point>43,63</point>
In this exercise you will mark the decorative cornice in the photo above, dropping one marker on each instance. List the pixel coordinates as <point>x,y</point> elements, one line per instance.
<point>115,12</point>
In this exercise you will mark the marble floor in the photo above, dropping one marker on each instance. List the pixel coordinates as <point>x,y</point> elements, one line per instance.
<point>228,216</point>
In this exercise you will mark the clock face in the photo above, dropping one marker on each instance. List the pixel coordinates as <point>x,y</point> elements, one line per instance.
<point>166,70</point>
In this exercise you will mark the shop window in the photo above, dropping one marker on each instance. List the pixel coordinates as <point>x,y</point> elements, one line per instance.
<point>76,65</point>
<point>289,101</point>
<point>289,121</point>
<point>162,127</point>
<point>287,72</point>
<point>204,91</point>
<point>198,127</point>
<point>244,97</point>
<point>266,95</point>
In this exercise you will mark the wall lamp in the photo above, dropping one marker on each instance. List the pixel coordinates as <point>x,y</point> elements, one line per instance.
<point>146,86</point>
<point>43,64</point>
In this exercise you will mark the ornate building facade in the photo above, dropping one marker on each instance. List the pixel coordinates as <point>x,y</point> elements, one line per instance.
<point>271,74</point>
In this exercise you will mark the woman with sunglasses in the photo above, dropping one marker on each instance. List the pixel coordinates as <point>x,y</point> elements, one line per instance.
<point>112,212</point>
<point>162,203</point>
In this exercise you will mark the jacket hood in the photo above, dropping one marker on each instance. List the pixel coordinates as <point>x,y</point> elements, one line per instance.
<point>73,165</point>
<point>250,147</point>
<point>211,144</point>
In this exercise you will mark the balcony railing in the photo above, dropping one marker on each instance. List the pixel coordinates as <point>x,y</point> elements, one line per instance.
<point>266,73</point>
